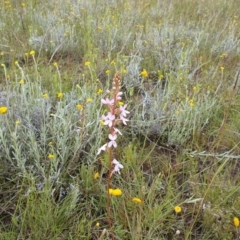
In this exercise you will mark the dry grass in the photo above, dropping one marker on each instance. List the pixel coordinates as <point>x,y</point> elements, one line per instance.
<point>179,61</point>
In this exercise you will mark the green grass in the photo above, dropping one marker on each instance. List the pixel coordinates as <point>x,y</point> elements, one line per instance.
<point>180,147</point>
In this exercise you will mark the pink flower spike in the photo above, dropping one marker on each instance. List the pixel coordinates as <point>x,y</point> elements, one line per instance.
<point>112,142</point>
<point>117,131</point>
<point>118,166</point>
<point>123,110</point>
<point>102,148</point>
<point>107,101</point>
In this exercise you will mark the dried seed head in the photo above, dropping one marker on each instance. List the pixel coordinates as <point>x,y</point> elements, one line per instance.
<point>117,80</point>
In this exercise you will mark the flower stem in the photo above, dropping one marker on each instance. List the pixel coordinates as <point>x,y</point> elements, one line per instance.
<point>108,187</point>
<point>116,81</point>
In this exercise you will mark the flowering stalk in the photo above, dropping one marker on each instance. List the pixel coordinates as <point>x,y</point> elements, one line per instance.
<point>115,116</point>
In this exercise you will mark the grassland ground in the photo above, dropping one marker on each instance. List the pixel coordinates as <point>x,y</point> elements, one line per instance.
<point>180,76</point>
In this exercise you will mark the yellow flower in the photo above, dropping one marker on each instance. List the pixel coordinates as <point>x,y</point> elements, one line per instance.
<point>23,4</point>
<point>144,73</point>
<point>59,95</point>
<point>222,68</point>
<point>79,107</point>
<point>107,71</point>
<point>2,65</point>
<point>236,221</point>
<point>115,192</point>
<point>55,64</point>
<point>16,62</point>
<point>96,175</point>
<point>102,122</point>
<point>178,209</point>
<point>223,55</point>
<point>97,224</point>
<point>3,110</point>
<point>100,91</point>
<point>45,95</point>
<point>87,63</point>
<point>89,100</point>
<point>124,71</point>
<point>113,63</point>
<point>194,89</point>
<point>120,103</point>
<point>191,103</point>
<point>17,122</point>
<point>50,156</point>
<point>21,81</point>
<point>32,53</point>
<point>137,200</point>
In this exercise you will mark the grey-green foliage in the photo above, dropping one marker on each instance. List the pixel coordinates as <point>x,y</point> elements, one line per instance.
<point>48,126</point>
<point>157,114</point>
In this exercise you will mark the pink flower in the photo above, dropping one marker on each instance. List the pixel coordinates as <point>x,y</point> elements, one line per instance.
<point>118,166</point>
<point>107,101</point>
<point>119,94</point>
<point>123,110</point>
<point>112,142</point>
<point>117,131</point>
<point>102,148</point>
<point>124,120</point>
<point>108,120</point>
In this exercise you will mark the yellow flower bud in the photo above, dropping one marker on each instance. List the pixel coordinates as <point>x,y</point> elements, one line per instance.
<point>236,221</point>
<point>96,175</point>
<point>137,200</point>
<point>100,91</point>
<point>115,192</point>
<point>178,209</point>
<point>21,82</point>
<point>59,95</point>
<point>50,156</point>
<point>144,73</point>
<point>3,110</point>
<point>79,107</point>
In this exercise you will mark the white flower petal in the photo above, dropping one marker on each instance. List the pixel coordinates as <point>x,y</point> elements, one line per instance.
<point>117,131</point>
<point>124,120</point>
<point>112,137</point>
<point>102,148</point>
